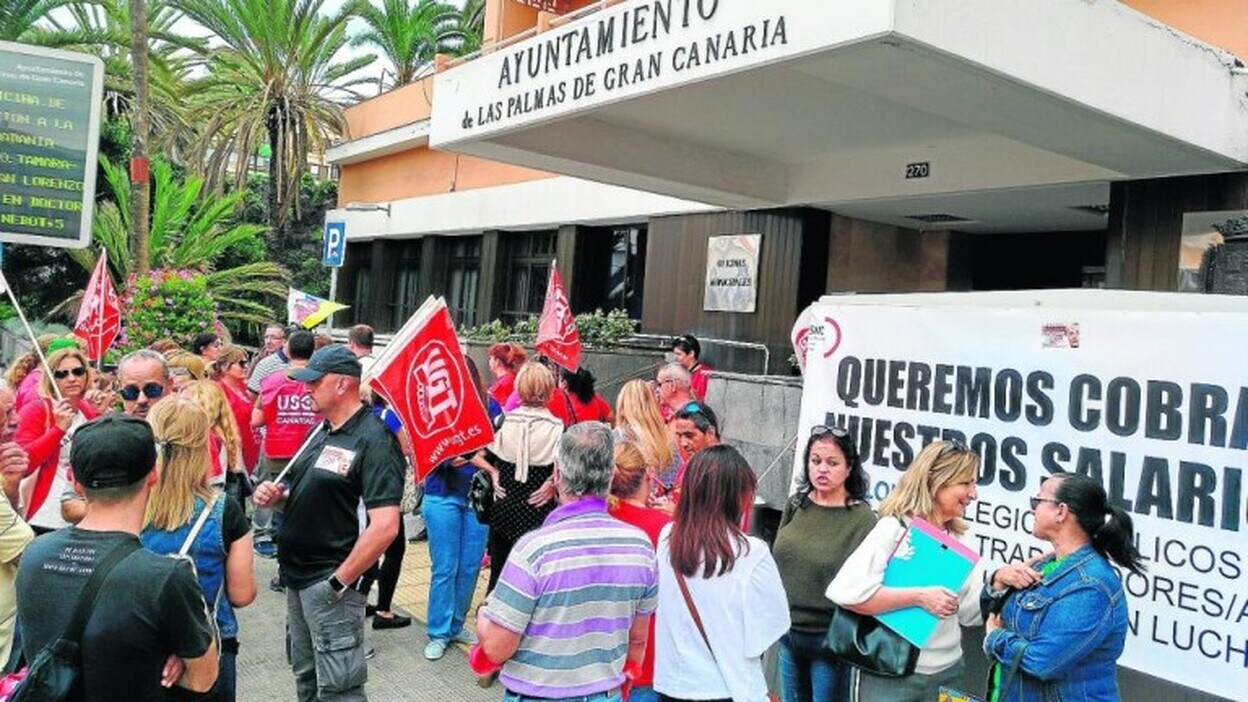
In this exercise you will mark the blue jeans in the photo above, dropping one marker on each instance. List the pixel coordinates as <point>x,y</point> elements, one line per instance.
<point>808,673</point>
<point>509,696</point>
<point>456,545</point>
<point>645,693</point>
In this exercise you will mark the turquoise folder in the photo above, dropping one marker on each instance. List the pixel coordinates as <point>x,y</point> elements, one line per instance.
<point>928,557</point>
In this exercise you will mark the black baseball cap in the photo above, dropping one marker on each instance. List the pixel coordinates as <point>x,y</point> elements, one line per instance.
<point>116,450</point>
<point>334,358</point>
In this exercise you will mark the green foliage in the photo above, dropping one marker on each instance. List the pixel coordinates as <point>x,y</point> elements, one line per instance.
<point>6,311</point>
<point>598,329</point>
<point>167,302</point>
<point>409,35</point>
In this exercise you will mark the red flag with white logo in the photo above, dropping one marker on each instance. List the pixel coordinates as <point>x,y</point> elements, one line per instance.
<point>557,336</point>
<point>99,317</point>
<point>424,379</point>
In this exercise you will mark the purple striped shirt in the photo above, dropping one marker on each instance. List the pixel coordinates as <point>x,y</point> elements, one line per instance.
<point>572,590</point>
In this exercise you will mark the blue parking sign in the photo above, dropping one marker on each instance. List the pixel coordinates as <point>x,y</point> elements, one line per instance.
<point>335,247</point>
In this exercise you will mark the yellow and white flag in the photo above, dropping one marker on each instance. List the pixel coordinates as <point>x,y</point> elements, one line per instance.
<point>309,310</point>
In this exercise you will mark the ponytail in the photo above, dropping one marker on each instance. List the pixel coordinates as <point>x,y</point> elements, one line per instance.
<point>1116,540</point>
<point>1109,526</point>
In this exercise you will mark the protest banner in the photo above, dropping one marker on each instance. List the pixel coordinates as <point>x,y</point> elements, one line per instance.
<point>308,310</point>
<point>423,377</point>
<point>557,335</point>
<point>1151,402</point>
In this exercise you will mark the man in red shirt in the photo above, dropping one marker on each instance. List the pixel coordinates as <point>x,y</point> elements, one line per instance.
<point>284,408</point>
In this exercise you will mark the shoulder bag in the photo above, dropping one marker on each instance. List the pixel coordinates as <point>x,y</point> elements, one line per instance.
<point>693,610</point>
<point>55,673</point>
<point>481,495</point>
<point>863,642</point>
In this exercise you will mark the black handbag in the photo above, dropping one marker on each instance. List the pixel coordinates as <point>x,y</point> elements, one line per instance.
<point>481,495</point>
<point>863,642</point>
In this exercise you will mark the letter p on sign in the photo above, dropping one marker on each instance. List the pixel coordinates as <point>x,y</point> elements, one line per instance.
<point>335,244</point>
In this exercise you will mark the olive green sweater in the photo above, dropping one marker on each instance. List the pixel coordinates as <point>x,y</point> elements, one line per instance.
<point>810,548</point>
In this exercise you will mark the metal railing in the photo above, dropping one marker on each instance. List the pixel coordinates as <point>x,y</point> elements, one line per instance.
<point>730,343</point>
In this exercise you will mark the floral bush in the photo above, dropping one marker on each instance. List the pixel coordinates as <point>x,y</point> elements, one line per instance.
<point>598,329</point>
<point>167,302</point>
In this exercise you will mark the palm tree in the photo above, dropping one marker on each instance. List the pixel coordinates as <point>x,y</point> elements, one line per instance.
<point>190,228</point>
<point>272,78</point>
<point>472,24</point>
<point>409,36</point>
<point>18,23</point>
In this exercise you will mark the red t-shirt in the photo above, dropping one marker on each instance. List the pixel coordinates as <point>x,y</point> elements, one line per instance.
<point>698,377</point>
<point>501,389</point>
<point>288,415</point>
<point>652,522</point>
<point>240,407</point>
<point>570,410</point>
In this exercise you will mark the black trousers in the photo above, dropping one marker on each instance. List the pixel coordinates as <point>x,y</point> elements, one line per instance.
<point>386,572</point>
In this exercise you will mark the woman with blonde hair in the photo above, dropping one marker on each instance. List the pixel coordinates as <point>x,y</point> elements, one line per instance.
<point>936,487</point>
<point>45,429</point>
<point>521,464</point>
<point>225,444</point>
<point>221,548</point>
<point>639,421</point>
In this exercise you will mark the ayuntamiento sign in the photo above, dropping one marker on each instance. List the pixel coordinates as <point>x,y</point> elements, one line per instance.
<point>49,139</point>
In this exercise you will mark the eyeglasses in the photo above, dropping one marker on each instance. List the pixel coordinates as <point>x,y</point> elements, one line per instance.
<point>820,430</point>
<point>153,391</point>
<point>63,373</point>
<point>1035,502</point>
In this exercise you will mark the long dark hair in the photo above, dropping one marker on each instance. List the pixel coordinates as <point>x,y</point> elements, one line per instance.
<point>855,482</point>
<point>707,531</point>
<point>1109,526</point>
<point>580,383</point>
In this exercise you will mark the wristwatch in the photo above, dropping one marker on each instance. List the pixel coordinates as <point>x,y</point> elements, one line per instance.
<point>337,585</point>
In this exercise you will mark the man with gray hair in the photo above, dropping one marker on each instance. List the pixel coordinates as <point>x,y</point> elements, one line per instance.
<point>142,379</point>
<point>675,390</point>
<point>575,597</point>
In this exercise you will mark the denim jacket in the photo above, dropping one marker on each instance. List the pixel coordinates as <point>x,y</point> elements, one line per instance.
<point>1066,633</point>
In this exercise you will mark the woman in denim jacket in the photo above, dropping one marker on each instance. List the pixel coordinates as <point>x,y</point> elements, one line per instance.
<point>1064,616</point>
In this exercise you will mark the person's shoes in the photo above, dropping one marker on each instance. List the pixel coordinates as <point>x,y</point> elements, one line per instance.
<point>435,649</point>
<point>394,621</point>
<point>369,610</point>
<point>465,636</point>
<point>265,549</point>
<point>276,584</point>
<point>368,654</point>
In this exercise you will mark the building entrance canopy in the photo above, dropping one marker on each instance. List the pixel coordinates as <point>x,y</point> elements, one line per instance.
<point>1007,114</point>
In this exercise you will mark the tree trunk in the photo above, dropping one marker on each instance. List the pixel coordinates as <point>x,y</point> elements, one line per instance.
<point>140,184</point>
<point>276,216</point>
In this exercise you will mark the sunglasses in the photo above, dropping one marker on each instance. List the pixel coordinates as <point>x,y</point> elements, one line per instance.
<point>63,373</point>
<point>952,446</point>
<point>820,430</point>
<point>152,391</point>
<point>1036,502</point>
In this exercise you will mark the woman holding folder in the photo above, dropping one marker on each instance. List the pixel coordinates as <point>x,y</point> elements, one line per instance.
<point>937,487</point>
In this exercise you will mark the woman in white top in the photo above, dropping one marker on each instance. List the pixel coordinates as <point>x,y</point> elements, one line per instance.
<point>732,584</point>
<point>937,487</point>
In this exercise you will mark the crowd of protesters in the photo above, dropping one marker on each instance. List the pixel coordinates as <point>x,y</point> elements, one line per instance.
<point>617,538</point>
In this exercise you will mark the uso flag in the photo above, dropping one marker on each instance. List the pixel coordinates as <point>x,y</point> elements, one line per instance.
<point>99,316</point>
<point>424,379</point>
<point>557,336</point>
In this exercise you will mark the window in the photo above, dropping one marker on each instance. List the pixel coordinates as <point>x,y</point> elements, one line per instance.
<point>528,256</point>
<point>406,283</point>
<point>626,277</point>
<point>463,275</point>
<point>359,295</point>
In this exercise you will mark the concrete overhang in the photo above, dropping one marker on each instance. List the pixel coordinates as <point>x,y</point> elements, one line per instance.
<point>886,109</point>
<point>403,138</point>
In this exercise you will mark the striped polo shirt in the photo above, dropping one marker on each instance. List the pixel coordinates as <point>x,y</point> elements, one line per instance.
<point>572,589</point>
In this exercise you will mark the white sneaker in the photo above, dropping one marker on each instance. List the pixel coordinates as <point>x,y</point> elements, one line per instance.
<point>435,649</point>
<point>465,636</point>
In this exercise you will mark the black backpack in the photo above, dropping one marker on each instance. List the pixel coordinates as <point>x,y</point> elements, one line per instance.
<point>56,672</point>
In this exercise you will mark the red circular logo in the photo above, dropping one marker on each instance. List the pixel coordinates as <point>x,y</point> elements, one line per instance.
<point>436,388</point>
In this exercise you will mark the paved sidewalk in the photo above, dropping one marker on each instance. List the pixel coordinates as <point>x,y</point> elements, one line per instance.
<point>399,671</point>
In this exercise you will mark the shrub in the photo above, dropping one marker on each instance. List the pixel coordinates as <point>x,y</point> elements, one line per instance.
<point>598,329</point>
<point>166,302</point>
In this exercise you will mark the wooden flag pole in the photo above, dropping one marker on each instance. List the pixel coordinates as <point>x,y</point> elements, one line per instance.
<point>43,360</point>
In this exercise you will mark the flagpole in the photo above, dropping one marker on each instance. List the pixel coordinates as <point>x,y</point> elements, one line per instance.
<point>99,334</point>
<point>311,435</point>
<point>8,289</point>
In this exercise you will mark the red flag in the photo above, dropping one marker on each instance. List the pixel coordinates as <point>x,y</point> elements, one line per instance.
<point>99,317</point>
<point>425,380</point>
<point>557,336</point>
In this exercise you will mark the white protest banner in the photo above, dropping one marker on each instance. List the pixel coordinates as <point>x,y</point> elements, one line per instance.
<point>1152,403</point>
